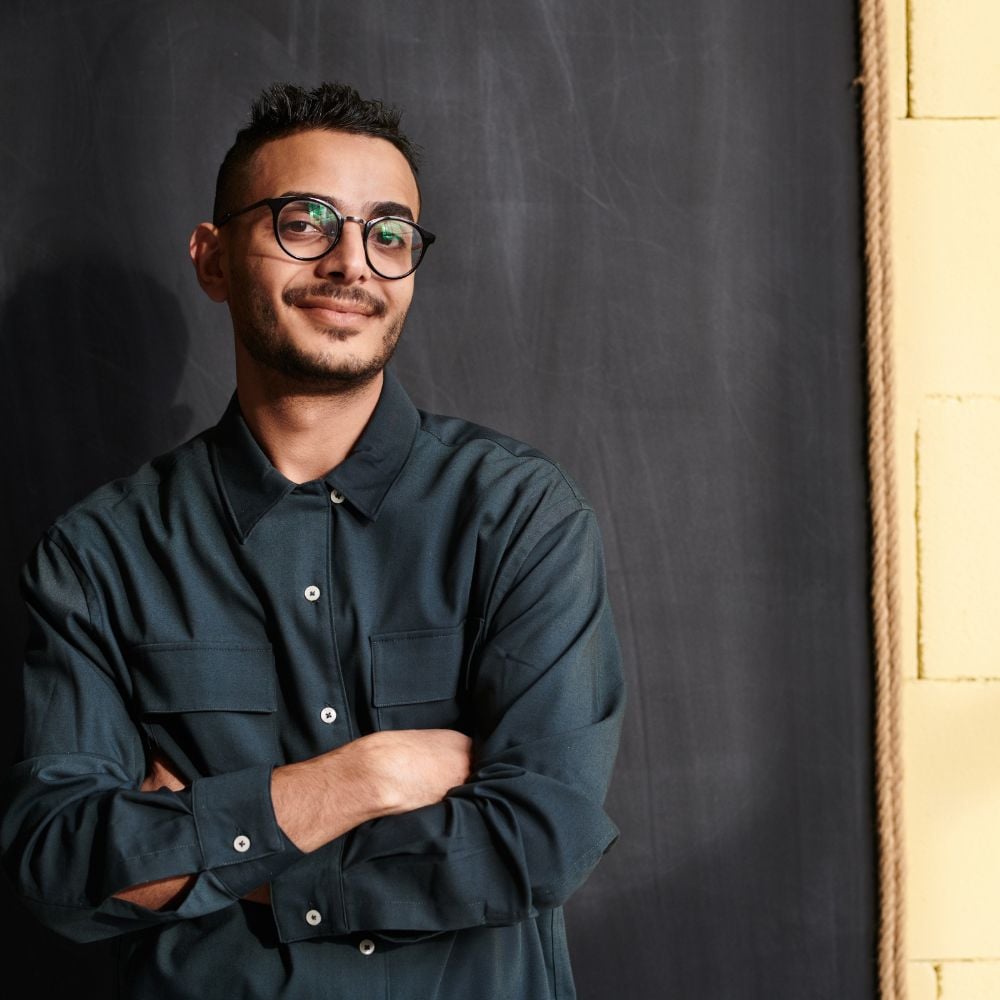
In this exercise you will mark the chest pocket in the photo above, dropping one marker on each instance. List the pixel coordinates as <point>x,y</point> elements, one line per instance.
<point>209,707</point>
<point>419,677</point>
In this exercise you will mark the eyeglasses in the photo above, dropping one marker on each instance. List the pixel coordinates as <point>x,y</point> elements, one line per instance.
<point>309,228</point>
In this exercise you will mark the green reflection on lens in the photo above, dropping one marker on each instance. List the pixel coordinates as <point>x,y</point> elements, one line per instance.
<point>320,214</point>
<point>391,235</point>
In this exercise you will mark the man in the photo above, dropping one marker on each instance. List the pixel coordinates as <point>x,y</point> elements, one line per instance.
<point>325,701</point>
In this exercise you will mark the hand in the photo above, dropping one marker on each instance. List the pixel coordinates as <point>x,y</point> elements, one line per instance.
<point>413,768</point>
<point>262,894</point>
<point>162,775</point>
<point>165,891</point>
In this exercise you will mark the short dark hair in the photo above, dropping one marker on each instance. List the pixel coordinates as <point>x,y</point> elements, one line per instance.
<point>284,109</point>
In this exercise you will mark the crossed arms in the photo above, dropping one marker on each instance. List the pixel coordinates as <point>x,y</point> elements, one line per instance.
<point>318,800</point>
<point>98,842</point>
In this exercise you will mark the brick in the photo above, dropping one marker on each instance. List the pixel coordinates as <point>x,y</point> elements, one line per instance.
<point>946,244</point>
<point>958,537</point>
<point>921,981</point>
<point>970,980</point>
<point>946,241</point>
<point>954,72</point>
<point>951,745</point>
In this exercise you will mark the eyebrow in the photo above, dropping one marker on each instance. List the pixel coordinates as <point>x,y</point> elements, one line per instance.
<point>376,211</point>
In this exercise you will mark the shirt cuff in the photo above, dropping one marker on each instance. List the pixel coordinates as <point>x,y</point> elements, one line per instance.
<point>307,900</point>
<point>239,836</point>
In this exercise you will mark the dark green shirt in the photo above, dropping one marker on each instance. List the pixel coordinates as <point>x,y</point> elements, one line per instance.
<point>441,576</point>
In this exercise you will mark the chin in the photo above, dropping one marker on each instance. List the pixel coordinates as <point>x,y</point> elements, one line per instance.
<point>330,370</point>
<point>322,360</point>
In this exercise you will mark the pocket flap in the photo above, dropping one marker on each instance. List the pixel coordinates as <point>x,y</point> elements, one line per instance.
<point>203,677</point>
<point>409,668</point>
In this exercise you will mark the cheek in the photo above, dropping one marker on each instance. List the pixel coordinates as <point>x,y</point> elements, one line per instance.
<point>400,297</point>
<point>256,282</point>
<point>250,299</point>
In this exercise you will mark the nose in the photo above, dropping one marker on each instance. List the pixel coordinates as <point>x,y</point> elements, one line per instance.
<point>347,261</point>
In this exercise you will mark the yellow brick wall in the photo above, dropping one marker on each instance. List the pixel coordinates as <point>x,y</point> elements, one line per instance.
<point>945,87</point>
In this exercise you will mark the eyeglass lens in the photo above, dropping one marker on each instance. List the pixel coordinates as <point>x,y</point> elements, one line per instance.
<point>307,229</point>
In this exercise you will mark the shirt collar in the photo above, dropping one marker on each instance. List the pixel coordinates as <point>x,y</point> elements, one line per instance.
<point>251,486</point>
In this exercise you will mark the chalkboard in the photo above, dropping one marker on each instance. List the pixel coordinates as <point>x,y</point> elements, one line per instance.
<point>649,266</point>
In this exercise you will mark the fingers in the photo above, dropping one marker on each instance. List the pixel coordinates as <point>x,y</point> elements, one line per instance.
<point>162,775</point>
<point>419,766</point>
<point>262,894</point>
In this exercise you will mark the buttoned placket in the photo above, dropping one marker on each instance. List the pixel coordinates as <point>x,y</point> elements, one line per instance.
<point>317,592</point>
<point>328,713</point>
<point>317,680</point>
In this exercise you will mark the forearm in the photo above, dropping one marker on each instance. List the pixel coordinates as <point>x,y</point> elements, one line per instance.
<point>320,799</point>
<point>518,837</point>
<point>382,774</point>
<point>316,801</point>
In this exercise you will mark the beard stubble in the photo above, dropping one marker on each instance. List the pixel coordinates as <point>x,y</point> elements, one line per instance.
<point>318,372</point>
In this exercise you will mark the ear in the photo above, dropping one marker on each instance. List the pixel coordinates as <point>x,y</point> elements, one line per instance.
<point>205,248</point>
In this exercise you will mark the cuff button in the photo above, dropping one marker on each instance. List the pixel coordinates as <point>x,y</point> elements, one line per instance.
<point>313,917</point>
<point>241,844</point>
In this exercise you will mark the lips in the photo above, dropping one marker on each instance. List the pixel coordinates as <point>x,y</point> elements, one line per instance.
<point>337,303</point>
<point>335,307</point>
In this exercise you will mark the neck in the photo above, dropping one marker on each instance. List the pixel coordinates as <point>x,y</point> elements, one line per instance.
<point>304,434</point>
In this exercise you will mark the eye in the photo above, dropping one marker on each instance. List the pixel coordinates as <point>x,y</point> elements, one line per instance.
<point>392,234</point>
<point>302,221</point>
<point>298,226</point>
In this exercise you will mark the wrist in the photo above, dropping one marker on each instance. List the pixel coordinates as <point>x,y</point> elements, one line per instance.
<point>317,800</point>
<point>353,774</point>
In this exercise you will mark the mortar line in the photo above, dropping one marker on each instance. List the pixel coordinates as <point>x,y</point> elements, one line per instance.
<point>960,679</point>
<point>954,960</point>
<point>963,397</point>
<point>909,58</point>
<point>954,118</point>
<point>919,553</point>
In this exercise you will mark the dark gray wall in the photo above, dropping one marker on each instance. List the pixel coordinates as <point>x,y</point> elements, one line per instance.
<point>649,265</point>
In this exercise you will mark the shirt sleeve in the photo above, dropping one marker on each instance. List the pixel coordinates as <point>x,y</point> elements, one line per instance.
<point>75,827</point>
<point>529,826</point>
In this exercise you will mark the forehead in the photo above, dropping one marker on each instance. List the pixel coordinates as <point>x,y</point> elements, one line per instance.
<point>355,169</point>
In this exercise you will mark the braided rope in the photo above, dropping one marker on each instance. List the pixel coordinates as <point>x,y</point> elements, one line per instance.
<point>881,461</point>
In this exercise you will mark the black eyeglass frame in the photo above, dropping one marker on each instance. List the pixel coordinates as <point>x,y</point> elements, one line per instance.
<point>277,204</point>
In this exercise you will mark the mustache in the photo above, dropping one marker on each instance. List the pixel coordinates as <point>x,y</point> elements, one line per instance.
<point>355,296</point>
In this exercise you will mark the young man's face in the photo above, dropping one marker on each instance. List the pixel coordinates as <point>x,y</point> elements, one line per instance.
<point>331,323</point>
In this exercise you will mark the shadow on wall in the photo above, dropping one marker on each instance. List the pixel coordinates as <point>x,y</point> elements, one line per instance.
<point>91,359</point>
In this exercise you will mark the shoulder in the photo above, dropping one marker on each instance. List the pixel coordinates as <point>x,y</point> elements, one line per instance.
<point>130,498</point>
<point>495,461</point>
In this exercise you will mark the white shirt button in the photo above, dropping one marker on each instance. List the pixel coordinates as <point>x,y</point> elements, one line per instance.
<point>311,593</point>
<point>241,844</point>
<point>313,917</point>
<point>328,715</point>
<point>366,947</point>
<point>336,496</point>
